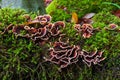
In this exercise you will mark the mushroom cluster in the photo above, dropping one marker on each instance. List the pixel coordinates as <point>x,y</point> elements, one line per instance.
<point>40,29</point>
<point>86,30</point>
<point>63,55</point>
<point>94,57</point>
<point>112,27</point>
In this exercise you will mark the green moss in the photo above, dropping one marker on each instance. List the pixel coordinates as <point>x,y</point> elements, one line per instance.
<point>107,41</point>
<point>70,33</point>
<point>81,7</point>
<point>51,7</point>
<point>21,58</point>
<point>104,18</point>
<point>17,56</point>
<point>97,40</point>
<point>12,16</point>
<point>103,39</point>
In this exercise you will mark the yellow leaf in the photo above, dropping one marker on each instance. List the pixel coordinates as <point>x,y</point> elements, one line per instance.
<point>74,17</point>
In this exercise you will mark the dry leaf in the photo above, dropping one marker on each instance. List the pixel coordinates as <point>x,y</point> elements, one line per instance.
<point>87,19</point>
<point>89,15</point>
<point>74,17</point>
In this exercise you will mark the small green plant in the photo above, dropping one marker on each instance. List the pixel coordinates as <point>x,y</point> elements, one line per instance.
<point>110,3</point>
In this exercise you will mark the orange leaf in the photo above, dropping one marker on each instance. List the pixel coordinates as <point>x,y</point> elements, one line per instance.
<point>74,17</point>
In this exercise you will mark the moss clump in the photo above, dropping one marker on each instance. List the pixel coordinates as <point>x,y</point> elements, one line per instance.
<point>104,39</point>
<point>18,56</point>
<point>21,59</point>
<point>62,9</point>
<point>70,34</point>
<point>104,18</point>
<point>108,41</point>
<point>12,16</point>
<point>97,40</point>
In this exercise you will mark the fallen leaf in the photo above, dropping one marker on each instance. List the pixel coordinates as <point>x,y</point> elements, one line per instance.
<point>74,17</point>
<point>89,15</point>
<point>86,19</point>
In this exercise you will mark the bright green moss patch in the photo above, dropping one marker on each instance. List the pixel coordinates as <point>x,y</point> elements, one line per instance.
<point>104,18</point>
<point>12,16</point>
<point>62,9</point>
<point>98,40</point>
<point>70,33</point>
<point>18,56</point>
<point>108,41</point>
